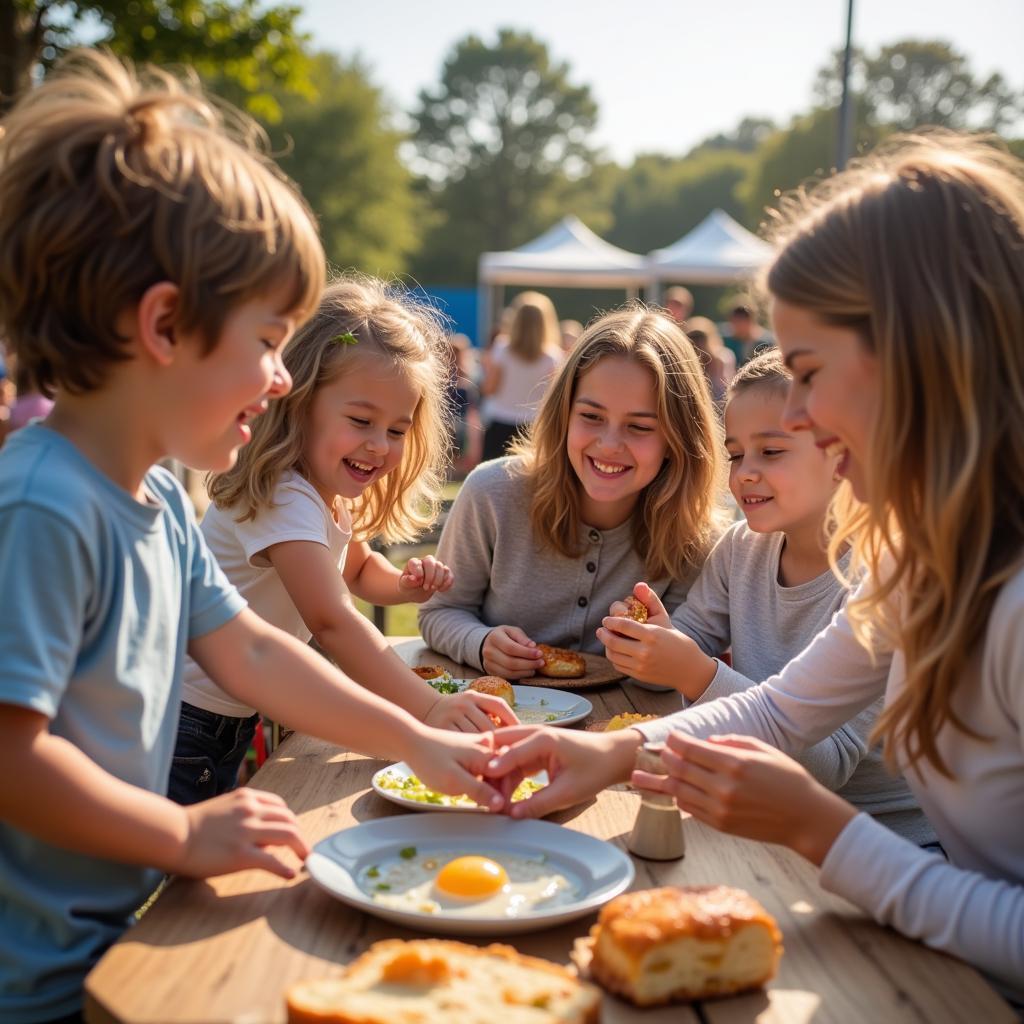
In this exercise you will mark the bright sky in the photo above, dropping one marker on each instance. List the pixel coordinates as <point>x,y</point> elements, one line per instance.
<point>666,73</point>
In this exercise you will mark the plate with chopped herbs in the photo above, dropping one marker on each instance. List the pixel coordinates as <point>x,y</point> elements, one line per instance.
<point>398,784</point>
<point>534,705</point>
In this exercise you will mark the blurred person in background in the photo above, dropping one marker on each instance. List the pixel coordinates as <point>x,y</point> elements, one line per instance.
<point>571,331</point>
<point>467,442</point>
<point>718,361</point>
<point>679,304</point>
<point>746,337</point>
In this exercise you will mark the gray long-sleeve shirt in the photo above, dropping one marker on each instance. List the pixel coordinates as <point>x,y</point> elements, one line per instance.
<point>738,599</point>
<point>504,575</point>
<point>973,906</point>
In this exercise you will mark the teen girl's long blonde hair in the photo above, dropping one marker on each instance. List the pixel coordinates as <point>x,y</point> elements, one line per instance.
<point>358,318</point>
<point>679,514</point>
<point>920,249</point>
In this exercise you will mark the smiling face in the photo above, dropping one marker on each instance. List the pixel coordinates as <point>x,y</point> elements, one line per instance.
<point>780,478</point>
<point>835,391</point>
<point>356,427</point>
<point>615,443</point>
<point>217,395</point>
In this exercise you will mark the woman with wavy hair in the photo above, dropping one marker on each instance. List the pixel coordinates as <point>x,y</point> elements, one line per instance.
<point>898,303</point>
<point>619,480</point>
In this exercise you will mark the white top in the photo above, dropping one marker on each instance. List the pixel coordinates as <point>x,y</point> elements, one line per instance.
<point>739,600</point>
<point>297,513</point>
<point>973,906</point>
<point>521,387</point>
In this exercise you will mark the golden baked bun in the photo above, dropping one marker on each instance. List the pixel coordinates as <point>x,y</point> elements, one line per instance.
<point>635,609</point>
<point>429,671</point>
<point>560,663</point>
<point>437,980</point>
<point>496,687</point>
<point>626,720</point>
<point>660,945</point>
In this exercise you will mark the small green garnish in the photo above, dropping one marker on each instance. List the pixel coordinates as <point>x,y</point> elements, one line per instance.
<point>383,887</point>
<point>348,338</point>
<point>551,718</point>
<point>407,853</point>
<point>373,872</point>
<point>543,703</point>
<point>444,685</point>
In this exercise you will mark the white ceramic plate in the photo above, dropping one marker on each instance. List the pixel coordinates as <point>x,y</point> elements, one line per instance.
<point>540,705</point>
<point>598,869</point>
<point>400,771</point>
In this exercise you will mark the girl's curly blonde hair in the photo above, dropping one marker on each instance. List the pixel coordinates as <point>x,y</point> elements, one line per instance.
<point>385,322</point>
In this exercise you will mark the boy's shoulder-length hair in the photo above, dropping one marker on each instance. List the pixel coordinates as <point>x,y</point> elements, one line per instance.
<point>679,513</point>
<point>359,318</point>
<point>114,179</point>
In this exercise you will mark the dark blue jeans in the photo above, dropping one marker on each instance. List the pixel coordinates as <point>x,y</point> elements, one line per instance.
<point>208,753</point>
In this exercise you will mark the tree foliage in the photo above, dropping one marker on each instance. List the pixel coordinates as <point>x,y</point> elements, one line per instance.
<point>249,50</point>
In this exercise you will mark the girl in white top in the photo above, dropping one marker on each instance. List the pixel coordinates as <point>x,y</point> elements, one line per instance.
<point>356,450</point>
<point>898,303</point>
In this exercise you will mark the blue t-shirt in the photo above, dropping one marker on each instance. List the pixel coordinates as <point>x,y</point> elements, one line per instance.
<point>99,597</point>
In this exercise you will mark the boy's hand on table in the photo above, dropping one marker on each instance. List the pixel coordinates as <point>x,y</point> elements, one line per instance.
<point>423,577</point>
<point>469,711</point>
<point>740,785</point>
<point>579,765</point>
<point>232,833</point>
<point>508,652</point>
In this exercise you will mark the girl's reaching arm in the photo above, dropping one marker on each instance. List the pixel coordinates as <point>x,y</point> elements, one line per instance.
<point>372,577</point>
<point>325,604</point>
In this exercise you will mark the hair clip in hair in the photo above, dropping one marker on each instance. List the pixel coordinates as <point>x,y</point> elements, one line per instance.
<point>348,338</point>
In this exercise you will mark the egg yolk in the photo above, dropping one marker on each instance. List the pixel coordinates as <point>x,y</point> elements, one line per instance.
<point>471,878</point>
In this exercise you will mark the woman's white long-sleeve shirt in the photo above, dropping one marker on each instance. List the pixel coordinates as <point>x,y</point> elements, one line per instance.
<point>972,906</point>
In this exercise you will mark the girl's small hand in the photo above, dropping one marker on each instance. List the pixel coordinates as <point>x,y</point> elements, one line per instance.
<point>453,763</point>
<point>232,832</point>
<point>508,652</point>
<point>656,613</point>
<point>740,785</point>
<point>654,654</point>
<point>470,711</point>
<point>423,577</point>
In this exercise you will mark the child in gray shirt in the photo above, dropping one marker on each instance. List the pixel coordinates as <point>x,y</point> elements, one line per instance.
<point>765,591</point>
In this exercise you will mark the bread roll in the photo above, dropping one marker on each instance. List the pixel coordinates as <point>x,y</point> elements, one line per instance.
<point>443,981</point>
<point>560,663</point>
<point>497,687</point>
<point>660,945</point>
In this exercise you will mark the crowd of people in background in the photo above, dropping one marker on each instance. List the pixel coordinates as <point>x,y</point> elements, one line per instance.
<point>498,387</point>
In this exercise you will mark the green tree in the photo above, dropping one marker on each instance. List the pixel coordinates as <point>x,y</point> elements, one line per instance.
<point>247,50</point>
<point>344,155</point>
<point>913,83</point>
<point>503,133</point>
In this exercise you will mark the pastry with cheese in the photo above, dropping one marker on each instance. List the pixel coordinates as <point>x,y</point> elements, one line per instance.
<point>626,720</point>
<point>438,980</point>
<point>635,609</point>
<point>496,687</point>
<point>429,672</point>
<point>660,945</point>
<point>560,663</point>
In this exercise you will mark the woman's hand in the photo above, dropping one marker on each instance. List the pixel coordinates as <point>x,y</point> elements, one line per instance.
<point>740,785</point>
<point>423,577</point>
<point>470,711</point>
<point>579,764</point>
<point>508,652</point>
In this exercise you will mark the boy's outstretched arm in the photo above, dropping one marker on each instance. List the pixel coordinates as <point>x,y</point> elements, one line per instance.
<point>269,669</point>
<point>64,798</point>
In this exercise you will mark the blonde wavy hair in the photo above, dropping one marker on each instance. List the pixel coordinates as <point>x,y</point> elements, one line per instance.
<point>535,328</point>
<point>388,324</point>
<point>679,513</point>
<point>113,179</point>
<point>919,248</point>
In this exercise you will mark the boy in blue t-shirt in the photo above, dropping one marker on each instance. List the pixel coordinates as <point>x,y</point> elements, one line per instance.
<point>152,271</point>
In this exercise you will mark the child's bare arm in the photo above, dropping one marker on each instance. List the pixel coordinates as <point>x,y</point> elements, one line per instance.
<point>63,797</point>
<point>265,667</point>
<point>326,607</point>
<point>372,577</point>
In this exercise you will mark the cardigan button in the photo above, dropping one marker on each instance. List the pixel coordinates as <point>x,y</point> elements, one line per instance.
<point>591,567</point>
<point>582,602</point>
<point>594,536</point>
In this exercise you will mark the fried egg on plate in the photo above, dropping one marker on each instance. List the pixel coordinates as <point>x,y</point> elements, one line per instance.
<point>468,885</point>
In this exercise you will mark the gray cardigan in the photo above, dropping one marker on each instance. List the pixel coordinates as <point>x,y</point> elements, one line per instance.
<point>504,576</point>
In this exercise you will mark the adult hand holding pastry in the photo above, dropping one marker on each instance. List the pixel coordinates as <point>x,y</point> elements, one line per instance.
<point>740,785</point>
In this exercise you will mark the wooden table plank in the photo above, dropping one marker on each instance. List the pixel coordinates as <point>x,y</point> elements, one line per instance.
<point>224,950</point>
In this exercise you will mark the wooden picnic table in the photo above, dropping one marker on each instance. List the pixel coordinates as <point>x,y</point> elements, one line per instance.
<point>225,949</point>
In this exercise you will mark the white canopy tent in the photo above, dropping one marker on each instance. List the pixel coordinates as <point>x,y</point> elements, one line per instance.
<point>717,251</point>
<point>567,255</point>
